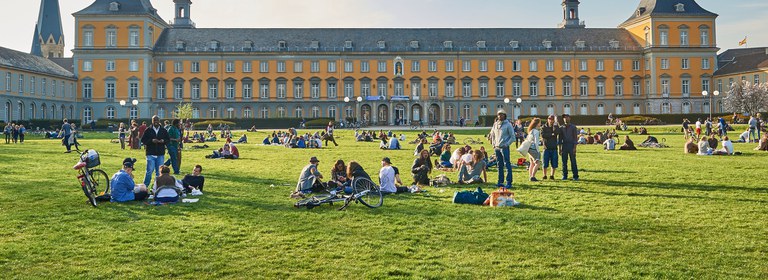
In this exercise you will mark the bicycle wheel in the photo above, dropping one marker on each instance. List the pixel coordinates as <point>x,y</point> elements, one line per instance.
<point>373,198</point>
<point>89,194</point>
<point>469,141</point>
<point>100,181</point>
<point>311,202</point>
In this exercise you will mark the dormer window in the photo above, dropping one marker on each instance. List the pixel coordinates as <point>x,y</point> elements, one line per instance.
<point>179,45</point>
<point>481,44</point>
<point>382,44</point>
<point>680,7</point>
<point>581,44</point>
<point>315,44</point>
<point>448,44</point>
<point>348,44</point>
<point>547,44</point>
<point>614,44</point>
<point>640,11</point>
<point>213,45</point>
<point>414,44</point>
<point>281,45</point>
<point>114,7</point>
<point>248,45</point>
<point>514,44</point>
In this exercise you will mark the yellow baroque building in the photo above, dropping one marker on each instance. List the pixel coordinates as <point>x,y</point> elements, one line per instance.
<point>657,61</point>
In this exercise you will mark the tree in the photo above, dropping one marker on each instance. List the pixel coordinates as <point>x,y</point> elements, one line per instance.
<point>746,97</point>
<point>184,111</point>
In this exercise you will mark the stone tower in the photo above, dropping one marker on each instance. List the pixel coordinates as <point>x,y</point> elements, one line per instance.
<point>48,40</point>
<point>571,15</point>
<point>181,14</point>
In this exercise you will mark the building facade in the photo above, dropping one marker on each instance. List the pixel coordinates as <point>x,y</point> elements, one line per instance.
<point>658,61</point>
<point>741,65</point>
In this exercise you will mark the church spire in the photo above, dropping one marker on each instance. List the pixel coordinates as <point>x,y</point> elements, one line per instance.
<point>48,39</point>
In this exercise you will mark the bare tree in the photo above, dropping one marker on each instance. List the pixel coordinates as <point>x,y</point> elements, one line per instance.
<point>746,97</point>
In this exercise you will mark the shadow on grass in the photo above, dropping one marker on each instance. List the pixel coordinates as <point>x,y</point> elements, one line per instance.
<point>611,193</point>
<point>679,186</point>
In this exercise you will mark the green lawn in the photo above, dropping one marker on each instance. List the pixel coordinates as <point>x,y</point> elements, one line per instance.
<point>652,213</point>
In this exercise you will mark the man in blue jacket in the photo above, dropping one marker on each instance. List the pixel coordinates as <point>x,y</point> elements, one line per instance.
<point>123,185</point>
<point>501,137</point>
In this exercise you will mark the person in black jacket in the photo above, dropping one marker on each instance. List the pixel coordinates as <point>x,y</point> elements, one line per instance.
<point>551,134</point>
<point>154,139</point>
<point>568,139</point>
<point>421,168</point>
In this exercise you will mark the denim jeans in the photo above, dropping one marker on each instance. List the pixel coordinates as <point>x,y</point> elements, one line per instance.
<point>502,156</point>
<point>173,159</point>
<point>153,165</point>
<point>569,152</point>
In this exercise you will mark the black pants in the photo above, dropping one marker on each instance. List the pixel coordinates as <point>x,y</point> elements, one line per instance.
<point>66,142</point>
<point>330,137</point>
<point>569,152</point>
<point>21,138</point>
<point>7,138</point>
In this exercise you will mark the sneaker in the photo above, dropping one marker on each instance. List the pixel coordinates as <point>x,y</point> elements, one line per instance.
<point>565,178</point>
<point>509,186</point>
<point>533,179</point>
<point>575,179</point>
<point>297,195</point>
<point>552,177</point>
<point>544,178</point>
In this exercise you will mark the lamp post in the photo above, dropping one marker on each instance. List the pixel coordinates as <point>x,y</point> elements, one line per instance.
<point>134,103</point>
<point>706,93</point>
<point>357,108</point>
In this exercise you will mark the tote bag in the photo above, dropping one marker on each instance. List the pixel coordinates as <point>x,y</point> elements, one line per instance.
<point>523,148</point>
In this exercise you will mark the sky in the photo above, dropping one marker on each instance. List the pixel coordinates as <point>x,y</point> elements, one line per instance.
<point>738,18</point>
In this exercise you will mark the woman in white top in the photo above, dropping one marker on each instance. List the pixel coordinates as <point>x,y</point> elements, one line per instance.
<point>534,135</point>
<point>704,149</point>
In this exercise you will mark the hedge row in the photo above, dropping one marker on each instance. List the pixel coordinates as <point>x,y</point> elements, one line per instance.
<point>42,124</point>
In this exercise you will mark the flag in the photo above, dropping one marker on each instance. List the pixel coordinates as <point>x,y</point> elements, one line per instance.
<point>743,42</point>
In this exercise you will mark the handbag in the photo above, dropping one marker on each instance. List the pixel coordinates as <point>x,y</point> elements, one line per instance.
<point>523,148</point>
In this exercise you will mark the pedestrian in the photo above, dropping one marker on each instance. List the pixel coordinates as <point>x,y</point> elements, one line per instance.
<point>121,135</point>
<point>501,136</point>
<point>66,132</point>
<point>569,137</point>
<point>7,132</point>
<point>15,134</point>
<point>22,132</point>
<point>155,139</point>
<point>329,134</point>
<point>551,134</point>
<point>142,129</point>
<point>173,146</point>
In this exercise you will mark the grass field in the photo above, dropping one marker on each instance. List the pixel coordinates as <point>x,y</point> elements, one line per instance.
<point>652,213</point>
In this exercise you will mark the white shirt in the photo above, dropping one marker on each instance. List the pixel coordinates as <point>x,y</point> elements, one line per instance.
<point>387,179</point>
<point>455,157</point>
<point>728,147</point>
<point>466,158</point>
<point>698,124</point>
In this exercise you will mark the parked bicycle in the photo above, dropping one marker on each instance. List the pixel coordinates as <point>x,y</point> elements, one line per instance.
<point>364,191</point>
<point>94,182</point>
<point>473,141</point>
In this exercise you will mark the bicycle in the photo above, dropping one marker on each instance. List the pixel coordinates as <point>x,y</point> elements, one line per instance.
<point>473,141</point>
<point>364,191</point>
<point>417,125</point>
<point>91,180</point>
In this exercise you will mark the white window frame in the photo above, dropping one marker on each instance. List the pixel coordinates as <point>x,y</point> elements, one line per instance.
<point>432,66</point>
<point>499,65</point>
<point>298,66</point>
<point>685,63</point>
<point>133,66</point>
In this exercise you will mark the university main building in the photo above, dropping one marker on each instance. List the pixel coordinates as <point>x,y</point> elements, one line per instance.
<point>658,61</point>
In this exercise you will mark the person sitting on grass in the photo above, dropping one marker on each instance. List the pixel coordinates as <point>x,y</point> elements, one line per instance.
<point>383,143</point>
<point>712,142</point>
<point>437,147</point>
<point>421,169</point>
<point>394,144</point>
<point>690,147</point>
<point>165,187</point>
<point>266,141</point>
<point>194,181</point>
<point>123,187</point>
<point>355,170</point>
<point>744,137</point>
<point>727,149</point>
<point>402,137</point>
<point>629,145</point>
<point>339,176</point>
<point>243,139</point>
<point>610,143</point>
<point>420,146</point>
<point>234,153</point>
<point>651,140</point>
<point>445,158</point>
<point>477,169</point>
<point>309,180</point>
<point>387,178</point>
<point>704,149</point>
<point>763,144</point>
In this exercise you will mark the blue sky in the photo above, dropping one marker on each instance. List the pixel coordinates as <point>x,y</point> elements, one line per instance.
<point>738,18</point>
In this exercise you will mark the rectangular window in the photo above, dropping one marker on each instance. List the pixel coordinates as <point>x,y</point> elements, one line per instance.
<point>618,88</point>
<point>704,38</point>
<point>21,83</point>
<point>483,66</point>
<point>178,91</point>
<point>432,66</point>
<point>281,90</point>
<point>567,91</point>
<point>719,85</point>
<point>664,63</point>
<point>686,88</point>
<point>43,87</point>
<point>600,65</point>
<point>685,64</point>
<point>247,68</point>
<point>636,65</point>
<point>87,90</point>
<point>466,65</point>
<point>195,67</point>
<point>757,79</point>
<point>196,91</point>
<point>281,67</point>
<point>160,91</point>
<point>178,67</point>
<point>382,88</point>
<point>8,81</point>
<point>432,89</point>
<point>133,89</point>
<point>415,66</point>
<point>584,88</point>
<point>213,67</point>
<point>449,90</point>
<point>705,63</point>
<point>264,90</point>
<point>263,66</point>
<point>533,88</point>
<point>298,66</point>
<point>683,37</point>
<point>550,88</point>
<point>618,65</point>
<point>449,66</point>
<point>500,89</point>
<point>550,65</point>
<point>399,89</point>
<point>365,88</point>
<point>213,90</point>
<point>229,66</point>
<point>88,38</point>
<point>600,88</point>
<point>332,93</point>
<point>87,65</point>
<point>133,66</point>
<point>517,89</point>
<point>314,90</point>
<point>705,84</point>
<point>32,85</point>
<point>664,36</point>
<point>161,67</point>
<point>647,64</point>
<point>331,66</point>
<point>110,65</point>
<point>665,88</point>
<point>229,90</point>
<point>566,65</point>
<point>134,38</point>
<point>111,38</point>
<point>636,88</point>
<point>483,89</point>
<point>500,66</point>
<point>382,66</point>
<point>466,89</point>
<point>583,65</point>
<point>365,66</point>
<point>516,66</point>
<point>348,67</point>
<point>314,66</point>
<point>298,90</point>
<point>533,65</point>
<point>349,89</point>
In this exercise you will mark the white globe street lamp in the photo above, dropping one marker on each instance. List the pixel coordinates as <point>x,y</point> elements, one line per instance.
<point>122,102</point>
<point>135,102</point>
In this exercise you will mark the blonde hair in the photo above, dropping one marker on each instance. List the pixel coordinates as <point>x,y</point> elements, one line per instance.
<point>534,124</point>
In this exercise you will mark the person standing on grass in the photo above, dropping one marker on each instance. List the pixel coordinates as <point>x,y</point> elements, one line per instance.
<point>66,132</point>
<point>569,136</point>
<point>121,135</point>
<point>686,128</point>
<point>698,128</point>
<point>7,132</point>
<point>155,139</point>
<point>501,136</point>
<point>759,127</point>
<point>15,134</point>
<point>551,134</point>
<point>22,132</point>
<point>723,127</point>
<point>142,129</point>
<point>534,134</point>
<point>752,129</point>
<point>708,126</point>
<point>174,135</point>
<point>329,134</point>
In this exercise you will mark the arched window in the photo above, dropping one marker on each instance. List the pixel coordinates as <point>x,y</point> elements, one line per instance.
<point>567,109</point>
<point>299,112</point>
<point>705,107</point>
<point>195,113</point>
<point>32,111</point>
<point>550,109</point>
<point>332,112</point>
<point>43,111</point>
<point>264,114</point>
<point>230,113</point>
<point>686,107</point>
<point>483,110</point>
<point>281,112</point>
<point>212,112</point>
<point>449,112</point>
<point>53,111</point>
<point>517,111</point>
<point>600,109</point>
<point>467,112</point>
<point>583,110</point>
<point>87,114</point>
<point>247,113</point>
<point>315,112</point>
<point>636,109</point>
<point>619,109</point>
<point>534,109</point>
<point>161,112</point>
<point>110,112</point>
<point>665,108</point>
<point>134,113</point>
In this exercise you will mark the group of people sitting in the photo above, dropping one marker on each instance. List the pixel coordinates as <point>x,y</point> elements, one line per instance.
<point>165,189</point>
<point>708,146</point>
<point>289,140</point>
<point>228,151</point>
<point>599,138</point>
<point>471,164</point>
<point>610,144</point>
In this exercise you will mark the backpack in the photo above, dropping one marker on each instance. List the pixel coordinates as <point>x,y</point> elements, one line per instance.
<point>167,194</point>
<point>440,181</point>
<point>476,197</point>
